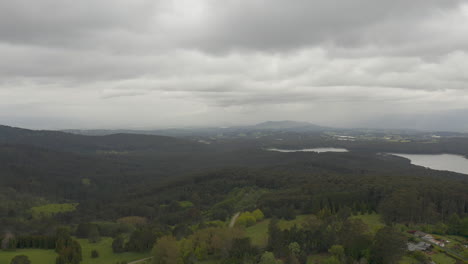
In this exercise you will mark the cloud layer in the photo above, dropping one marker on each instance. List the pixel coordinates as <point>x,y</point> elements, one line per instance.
<point>145,64</point>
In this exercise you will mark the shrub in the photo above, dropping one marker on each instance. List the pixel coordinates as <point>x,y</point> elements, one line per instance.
<point>258,214</point>
<point>20,259</point>
<point>94,254</point>
<point>246,219</point>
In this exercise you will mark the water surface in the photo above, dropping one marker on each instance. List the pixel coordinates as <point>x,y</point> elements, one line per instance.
<point>318,150</point>
<point>446,162</point>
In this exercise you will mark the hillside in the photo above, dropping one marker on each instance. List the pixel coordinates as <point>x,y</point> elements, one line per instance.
<point>139,189</point>
<point>91,144</point>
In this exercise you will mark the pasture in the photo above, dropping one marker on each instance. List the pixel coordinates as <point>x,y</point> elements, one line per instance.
<point>36,256</point>
<point>49,210</point>
<point>106,256</point>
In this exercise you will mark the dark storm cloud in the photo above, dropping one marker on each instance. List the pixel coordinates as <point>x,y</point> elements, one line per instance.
<point>190,61</point>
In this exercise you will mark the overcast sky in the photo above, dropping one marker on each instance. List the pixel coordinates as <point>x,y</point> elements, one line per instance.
<point>153,64</point>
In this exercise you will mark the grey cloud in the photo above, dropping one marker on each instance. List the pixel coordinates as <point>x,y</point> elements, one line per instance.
<point>214,26</point>
<point>194,60</point>
<point>52,22</point>
<point>278,24</point>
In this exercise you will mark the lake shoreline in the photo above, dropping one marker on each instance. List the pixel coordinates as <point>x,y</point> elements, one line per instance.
<point>443,162</point>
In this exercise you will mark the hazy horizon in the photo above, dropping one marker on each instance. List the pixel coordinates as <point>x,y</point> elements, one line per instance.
<point>155,128</point>
<point>157,64</point>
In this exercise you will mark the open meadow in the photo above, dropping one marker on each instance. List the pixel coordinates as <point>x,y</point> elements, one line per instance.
<point>106,256</point>
<point>37,256</point>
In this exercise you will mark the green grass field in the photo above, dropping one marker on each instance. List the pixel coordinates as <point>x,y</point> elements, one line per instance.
<point>37,256</point>
<point>374,221</point>
<point>51,209</point>
<point>106,256</point>
<point>441,258</point>
<point>408,260</point>
<point>258,233</point>
<point>185,204</point>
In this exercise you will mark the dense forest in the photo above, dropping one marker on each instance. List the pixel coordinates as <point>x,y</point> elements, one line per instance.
<point>173,195</point>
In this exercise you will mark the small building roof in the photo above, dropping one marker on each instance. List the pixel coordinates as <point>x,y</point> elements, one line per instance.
<point>421,246</point>
<point>419,234</point>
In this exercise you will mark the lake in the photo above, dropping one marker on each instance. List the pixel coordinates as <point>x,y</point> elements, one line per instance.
<point>317,150</point>
<point>444,162</point>
<point>447,162</point>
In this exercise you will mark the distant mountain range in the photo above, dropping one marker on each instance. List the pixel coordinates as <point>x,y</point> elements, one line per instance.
<point>107,137</point>
<point>287,125</point>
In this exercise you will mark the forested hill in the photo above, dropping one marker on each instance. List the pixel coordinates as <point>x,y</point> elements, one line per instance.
<point>144,187</point>
<point>91,144</point>
<point>55,175</point>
